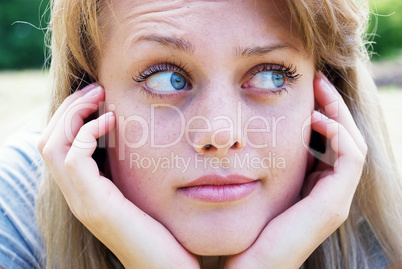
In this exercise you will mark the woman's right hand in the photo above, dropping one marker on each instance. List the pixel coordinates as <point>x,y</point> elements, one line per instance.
<point>289,239</point>
<point>67,145</point>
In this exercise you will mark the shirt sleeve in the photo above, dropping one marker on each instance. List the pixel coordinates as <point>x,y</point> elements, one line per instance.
<point>21,168</point>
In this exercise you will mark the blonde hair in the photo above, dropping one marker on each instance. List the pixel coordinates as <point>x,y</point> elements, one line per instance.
<point>332,32</point>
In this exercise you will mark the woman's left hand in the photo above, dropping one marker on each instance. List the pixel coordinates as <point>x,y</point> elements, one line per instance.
<point>67,146</point>
<point>290,238</point>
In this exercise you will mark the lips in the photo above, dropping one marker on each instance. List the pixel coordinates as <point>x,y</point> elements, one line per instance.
<point>218,189</point>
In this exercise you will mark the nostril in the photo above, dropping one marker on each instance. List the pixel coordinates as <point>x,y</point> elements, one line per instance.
<point>207,146</point>
<point>212,148</point>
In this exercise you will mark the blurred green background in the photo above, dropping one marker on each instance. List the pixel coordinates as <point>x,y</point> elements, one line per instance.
<point>23,23</point>
<point>385,28</point>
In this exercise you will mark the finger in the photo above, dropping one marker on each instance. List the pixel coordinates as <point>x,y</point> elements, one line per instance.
<point>73,118</point>
<point>315,217</point>
<point>328,98</point>
<point>104,208</point>
<point>347,154</point>
<point>60,140</point>
<point>340,183</point>
<point>291,237</point>
<point>60,111</point>
<point>79,162</point>
<point>323,154</point>
<point>82,170</point>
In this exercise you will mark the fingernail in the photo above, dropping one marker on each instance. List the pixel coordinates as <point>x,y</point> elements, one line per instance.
<point>319,114</point>
<point>325,86</point>
<point>324,77</point>
<point>94,91</point>
<point>320,74</point>
<point>106,115</point>
<point>90,87</point>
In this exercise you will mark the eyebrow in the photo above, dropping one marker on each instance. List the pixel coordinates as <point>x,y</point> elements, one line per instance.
<point>259,51</point>
<point>240,52</point>
<point>170,42</point>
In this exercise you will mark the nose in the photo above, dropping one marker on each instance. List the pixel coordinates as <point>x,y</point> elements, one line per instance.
<point>217,150</point>
<point>217,129</point>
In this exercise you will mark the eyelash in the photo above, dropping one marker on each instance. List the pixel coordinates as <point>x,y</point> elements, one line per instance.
<point>159,68</point>
<point>290,73</point>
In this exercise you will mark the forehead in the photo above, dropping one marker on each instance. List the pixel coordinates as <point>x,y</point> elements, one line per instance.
<point>203,22</point>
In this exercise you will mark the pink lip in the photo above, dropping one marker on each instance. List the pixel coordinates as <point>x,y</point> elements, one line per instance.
<point>217,189</point>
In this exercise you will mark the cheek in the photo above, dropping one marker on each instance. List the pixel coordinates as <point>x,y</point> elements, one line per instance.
<point>287,157</point>
<point>131,132</point>
<point>291,145</point>
<point>292,136</point>
<point>128,143</point>
<point>292,133</point>
<point>287,150</point>
<point>149,127</point>
<point>167,127</point>
<point>285,131</point>
<point>262,131</point>
<point>143,138</point>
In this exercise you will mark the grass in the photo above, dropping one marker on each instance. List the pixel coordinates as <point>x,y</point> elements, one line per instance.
<point>24,98</point>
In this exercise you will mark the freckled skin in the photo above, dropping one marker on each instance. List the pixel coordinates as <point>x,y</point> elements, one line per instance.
<point>215,30</point>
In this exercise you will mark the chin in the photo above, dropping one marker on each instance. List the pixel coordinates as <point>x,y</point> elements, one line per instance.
<point>219,236</point>
<point>220,248</point>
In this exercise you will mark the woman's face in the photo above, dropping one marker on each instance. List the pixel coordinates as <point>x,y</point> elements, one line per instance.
<point>210,99</point>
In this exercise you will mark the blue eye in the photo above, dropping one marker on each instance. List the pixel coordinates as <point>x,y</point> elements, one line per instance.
<point>267,80</point>
<point>278,79</point>
<point>178,81</point>
<point>166,82</point>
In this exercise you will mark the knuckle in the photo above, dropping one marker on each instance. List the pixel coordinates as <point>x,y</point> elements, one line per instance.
<point>77,211</point>
<point>364,149</point>
<point>359,159</point>
<point>47,153</point>
<point>86,127</point>
<point>70,161</point>
<point>72,97</point>
<point>41,144</point>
